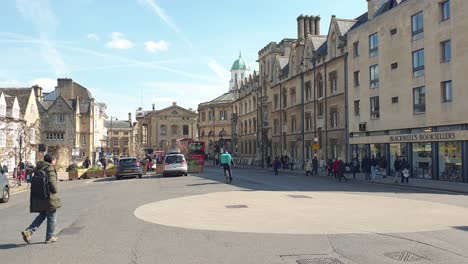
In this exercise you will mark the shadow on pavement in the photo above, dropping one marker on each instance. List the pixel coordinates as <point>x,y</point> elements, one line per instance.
<point>462,228</point>
<point>201,184</point>
<point>13,246</point>
<point>265,180</point>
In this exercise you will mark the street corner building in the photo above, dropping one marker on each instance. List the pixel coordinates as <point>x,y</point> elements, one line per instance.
<point>407,87</point>
<point>122,137</point>
<point>19,126</point>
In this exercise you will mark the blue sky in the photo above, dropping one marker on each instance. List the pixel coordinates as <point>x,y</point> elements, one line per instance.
<point>133,53</point>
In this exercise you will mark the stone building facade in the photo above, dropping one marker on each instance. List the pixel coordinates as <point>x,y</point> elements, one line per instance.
<point>122,137</point>
<point>159,129</point>
<point>19,126</point>
<point>218,119</point>
<point>407,68</point>
<point>72,123</point>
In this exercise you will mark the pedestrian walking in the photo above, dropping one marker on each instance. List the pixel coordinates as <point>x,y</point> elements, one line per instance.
<point>373,164</point>
<point>323,165</point>
<point>397,168</point>
<point>309,168</point>
<point>383,166</point>
<point>341,170</point>
<point>283,162</point>
<point>405,173</point>
<point>315,165</point>
<point>291,163</point>
<point>276,165</point>
<point>103,161</point>
<point>354,167</point>
<point>330,167</point>
<point>335,168</point>
<point>286,162</point>
<point>44,199</point>
<point>366,167</point>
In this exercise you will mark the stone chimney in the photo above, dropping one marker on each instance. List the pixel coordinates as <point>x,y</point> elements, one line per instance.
<point>154,106</point>
<point>130,118</point>
<point>38,92</point>
<point>174,103</point>
<point>300,27</point>
<point>317,25</point>
<point>312,25</point>
<point>372,7</point>
<point>306,26</point>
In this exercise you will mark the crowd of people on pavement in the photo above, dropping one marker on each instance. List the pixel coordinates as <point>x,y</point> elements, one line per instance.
<point>373,167</point>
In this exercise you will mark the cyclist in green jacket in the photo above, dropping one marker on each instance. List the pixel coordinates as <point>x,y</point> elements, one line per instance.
<point>226,162</point>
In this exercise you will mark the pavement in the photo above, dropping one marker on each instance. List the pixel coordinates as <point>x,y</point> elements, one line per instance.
<point>259,218</point>
<point>389,180</point>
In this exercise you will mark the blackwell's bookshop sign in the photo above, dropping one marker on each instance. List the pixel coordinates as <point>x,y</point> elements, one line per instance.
<point>424,137</point>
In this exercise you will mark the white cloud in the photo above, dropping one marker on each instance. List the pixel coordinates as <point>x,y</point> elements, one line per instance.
<point>93,36</point>
<point>40,13</point>
<point>161,13</point>
<point>153,47</point>
<point>223,74</point>
<point>47,84</point>
<point>119,42</point>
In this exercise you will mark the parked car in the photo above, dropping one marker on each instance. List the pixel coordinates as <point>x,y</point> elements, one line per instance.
<point>129,167</point>
<point>4,186</point>
<point>175,164</point>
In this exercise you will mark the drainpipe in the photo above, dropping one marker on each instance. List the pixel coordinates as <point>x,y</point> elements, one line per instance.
<point>347,153</point>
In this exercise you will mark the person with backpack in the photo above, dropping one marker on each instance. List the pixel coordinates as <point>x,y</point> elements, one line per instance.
<point>44,199</point>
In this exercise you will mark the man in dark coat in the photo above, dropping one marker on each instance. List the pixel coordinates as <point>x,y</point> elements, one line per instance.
<point>47,208</point>
<point>341,170</point>
<point>366,167</point>
<point>315,165</point>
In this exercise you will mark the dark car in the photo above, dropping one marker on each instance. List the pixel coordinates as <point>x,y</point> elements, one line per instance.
<point>4,186</point>
<point>129,167</point>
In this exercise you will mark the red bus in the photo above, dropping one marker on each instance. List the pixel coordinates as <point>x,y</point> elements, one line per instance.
<point>197,151</point>
<point>182,144</point>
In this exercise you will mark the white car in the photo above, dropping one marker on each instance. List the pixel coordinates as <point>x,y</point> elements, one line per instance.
<point>175,164</point>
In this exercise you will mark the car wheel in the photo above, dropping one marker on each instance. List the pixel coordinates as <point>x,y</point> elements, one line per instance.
<point>118,177</point>
<point>6,195</point>
<point>186,174</point>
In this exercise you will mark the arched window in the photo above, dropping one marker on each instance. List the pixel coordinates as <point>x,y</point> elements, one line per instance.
<point>254,103</point>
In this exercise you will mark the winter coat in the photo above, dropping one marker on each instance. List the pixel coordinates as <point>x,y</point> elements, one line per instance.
<point>335,165</point>
<point>397,165</point>
<point>366,165</point>
<point>315,162</point>
<point>341,167</point>
<point>54,202</point>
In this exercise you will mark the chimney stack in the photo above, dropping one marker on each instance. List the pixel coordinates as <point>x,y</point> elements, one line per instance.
<point>154,106</point>
<point>317,25</point>
<point>312,25</point>
<point>130,118</point>
<point>300,27</point>
<point>372,7</point>
<point>38,92</point>
<point>174,103</point>
<point>306,26</point>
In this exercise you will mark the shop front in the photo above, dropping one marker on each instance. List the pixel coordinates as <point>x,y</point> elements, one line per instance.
<point>432,156</point>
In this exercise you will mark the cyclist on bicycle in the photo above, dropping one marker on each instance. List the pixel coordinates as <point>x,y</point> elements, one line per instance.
<point>226,162</point>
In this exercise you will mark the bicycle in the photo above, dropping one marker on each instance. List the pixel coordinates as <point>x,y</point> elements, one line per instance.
<point>227,174</point>
<point>16,179</point>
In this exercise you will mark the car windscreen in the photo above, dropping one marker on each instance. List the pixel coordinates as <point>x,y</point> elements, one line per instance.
<point>174,159</point>
<point>127,162</point>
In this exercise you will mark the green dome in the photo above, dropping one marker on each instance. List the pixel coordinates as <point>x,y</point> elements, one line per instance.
<point>239,64</point>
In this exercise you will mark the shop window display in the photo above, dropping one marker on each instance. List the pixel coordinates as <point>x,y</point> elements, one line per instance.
<point>422,160</point>
<point>450,161</point>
